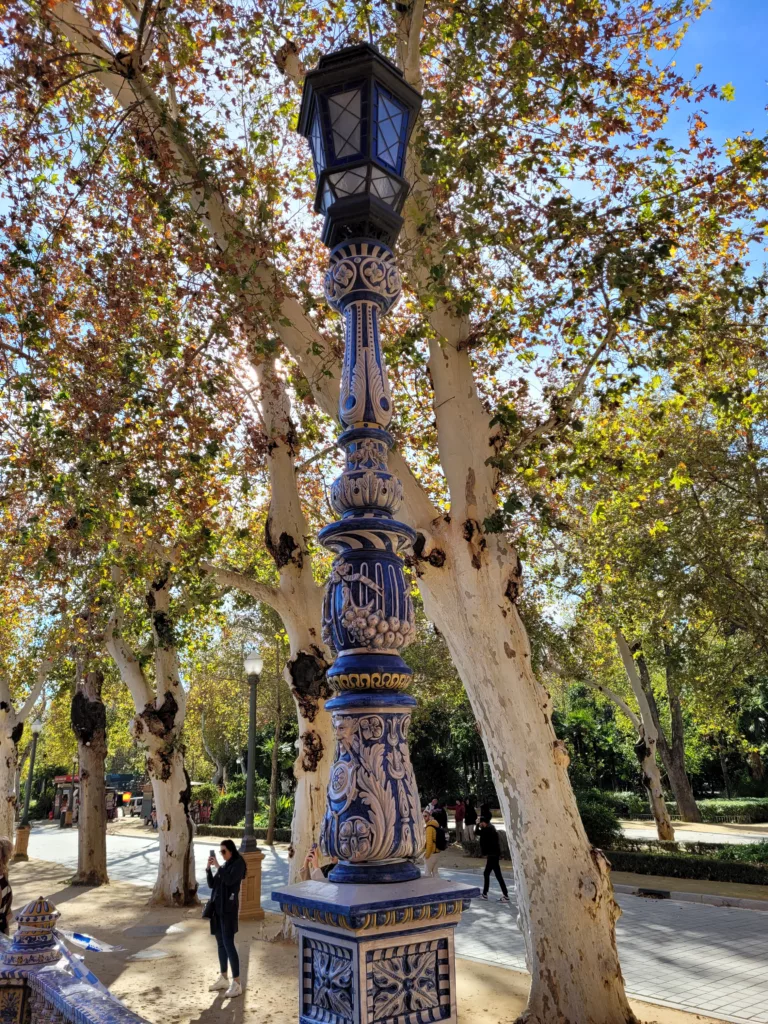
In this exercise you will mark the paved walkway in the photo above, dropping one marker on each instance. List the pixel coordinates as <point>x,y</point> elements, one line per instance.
<point>710,960</point>
<point>694,834</point>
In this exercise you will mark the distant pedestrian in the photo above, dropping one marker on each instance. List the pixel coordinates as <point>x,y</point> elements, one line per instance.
<point>470,814</point>
<point>63,811</point>
<point>153,818</point>
<point>458,813</point>
<point>225,897</point>
<point>6,893</point>
<point>489,847</point>
<point>440,815</point>
<point>437,841</point>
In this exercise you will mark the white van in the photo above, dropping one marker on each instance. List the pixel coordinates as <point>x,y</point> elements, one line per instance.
<point>134,807</point>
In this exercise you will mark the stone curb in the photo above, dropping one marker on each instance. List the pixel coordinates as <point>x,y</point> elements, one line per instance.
<point>712,899</point>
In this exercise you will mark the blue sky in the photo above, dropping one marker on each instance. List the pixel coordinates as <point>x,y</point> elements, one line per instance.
<point>730,40</point>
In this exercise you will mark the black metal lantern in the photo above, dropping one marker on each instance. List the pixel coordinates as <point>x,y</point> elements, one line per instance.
<point>358,113</point>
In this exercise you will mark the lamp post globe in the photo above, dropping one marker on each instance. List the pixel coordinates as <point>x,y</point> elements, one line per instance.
<point>253,663</point>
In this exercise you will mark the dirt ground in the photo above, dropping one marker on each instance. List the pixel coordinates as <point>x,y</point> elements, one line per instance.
<point>170,959</point>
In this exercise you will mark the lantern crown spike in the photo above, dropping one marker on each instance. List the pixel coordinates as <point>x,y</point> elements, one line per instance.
<point>357,113</point>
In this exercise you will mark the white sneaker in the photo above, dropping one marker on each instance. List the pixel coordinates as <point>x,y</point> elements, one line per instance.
<point>220,984</point>
<point>233,991</point>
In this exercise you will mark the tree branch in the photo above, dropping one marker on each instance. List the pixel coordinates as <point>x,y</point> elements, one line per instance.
<point>41,676</point>
<point>127,663</point>
<point>235,580</point>
<point>620,703</point>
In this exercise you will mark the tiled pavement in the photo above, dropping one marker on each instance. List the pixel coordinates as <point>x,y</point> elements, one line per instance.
<point>710,960</point>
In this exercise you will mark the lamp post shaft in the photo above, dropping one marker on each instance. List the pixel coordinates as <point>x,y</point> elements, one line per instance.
<point>30,778</point>
<point>249,839</point>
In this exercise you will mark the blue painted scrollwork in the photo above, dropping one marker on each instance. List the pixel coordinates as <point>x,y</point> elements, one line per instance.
<point>373,824</point>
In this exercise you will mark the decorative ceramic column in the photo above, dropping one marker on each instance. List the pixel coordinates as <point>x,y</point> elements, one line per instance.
<point>376,938</point>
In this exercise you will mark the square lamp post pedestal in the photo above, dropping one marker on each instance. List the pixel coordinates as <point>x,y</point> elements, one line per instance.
<point>250,894</point>
<point>22,843</point>
<point>375,953</point>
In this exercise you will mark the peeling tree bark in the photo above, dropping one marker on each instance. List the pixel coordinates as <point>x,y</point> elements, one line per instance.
<point>565,897</point>
<point>11,728</point>
<point>299,606</point>
<point>672,754</point>
<point>157,727</point>
<point>89,723</point>
<point>645,748</point>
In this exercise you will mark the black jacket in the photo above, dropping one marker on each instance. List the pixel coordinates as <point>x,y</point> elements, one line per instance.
<point>225,894</point>
<point>441,816</point>
<point>489,841</point>
<point>470,815</point>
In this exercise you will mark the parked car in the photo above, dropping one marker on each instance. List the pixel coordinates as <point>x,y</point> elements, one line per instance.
<point>134,807</point>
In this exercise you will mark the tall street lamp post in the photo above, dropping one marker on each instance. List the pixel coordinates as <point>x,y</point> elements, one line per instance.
<point>22,832</point>
<point>250,906</point>
<point>378,944</point>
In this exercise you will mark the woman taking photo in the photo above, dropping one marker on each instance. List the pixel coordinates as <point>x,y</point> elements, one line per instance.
<point>225,907</point>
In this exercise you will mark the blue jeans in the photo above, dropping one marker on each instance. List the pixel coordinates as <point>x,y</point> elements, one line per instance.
<point>225,940</point>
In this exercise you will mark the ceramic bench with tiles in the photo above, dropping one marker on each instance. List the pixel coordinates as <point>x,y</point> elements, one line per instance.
<point>41,983</point>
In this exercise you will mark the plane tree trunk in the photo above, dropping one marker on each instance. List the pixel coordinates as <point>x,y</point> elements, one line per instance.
<point>157,727</point>
<point>89,723</point>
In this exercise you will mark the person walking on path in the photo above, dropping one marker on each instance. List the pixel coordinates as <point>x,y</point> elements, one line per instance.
<point>6,893</point>
<point>458,814</point>
<point>225,897</point>
<point>440,815</point>
<point>436,843</point>
<point>489,847</point>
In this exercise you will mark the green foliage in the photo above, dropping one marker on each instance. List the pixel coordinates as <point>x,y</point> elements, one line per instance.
<point>681,865</point>
<point>599,818</point>
<point>207,792</point>
<point>39,809</point>
<point>284,812</point>
<point>627,804</point>
<point>229,809</point>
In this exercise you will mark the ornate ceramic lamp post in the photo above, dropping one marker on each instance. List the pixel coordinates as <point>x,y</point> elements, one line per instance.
<point>377,939</point>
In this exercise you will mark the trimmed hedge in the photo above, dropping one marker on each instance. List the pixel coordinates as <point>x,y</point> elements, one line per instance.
<point>747,853</point>
<point>282,835</point>
<point>686,865</point>
<point>750,811</point>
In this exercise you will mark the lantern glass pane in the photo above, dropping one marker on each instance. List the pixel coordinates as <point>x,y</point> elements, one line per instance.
<point>316,142</point>
<point>385,187</point>
<point>347,183</point>
<point>344,111</point>
<point>391,119</point>
<point>327,199</point>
